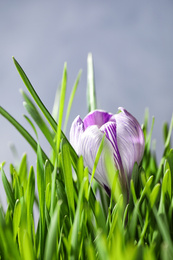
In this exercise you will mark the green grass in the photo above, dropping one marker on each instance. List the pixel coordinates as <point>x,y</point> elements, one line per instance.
<point>77,220</point>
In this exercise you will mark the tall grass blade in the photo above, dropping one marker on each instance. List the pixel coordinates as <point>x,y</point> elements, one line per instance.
<point>91,95</point>
<point>52,238</point>
<point>8,189</point>
<point>61,107</point>
<point>22,131</point>
<point>28,104</point>
<point>41,194</point>
<point>68,176</point>
<point>71,100</point>
<point>35,95</point>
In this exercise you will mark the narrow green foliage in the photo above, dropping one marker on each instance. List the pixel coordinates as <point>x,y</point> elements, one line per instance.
<point>61,107</point>
<point>52,237</point>
<point>22,131</point>
<point>44,110</point>
<point>8,190</point>
<point>35,95</point>
<point>168,139</point>
<point>71,100</point>
<point>30,107</point>
<point>68,176</point>
<point>75,217</point>
<point>41,195</point>
<point>96,160</point>
<point>91,95</point>
<point>30,199</point>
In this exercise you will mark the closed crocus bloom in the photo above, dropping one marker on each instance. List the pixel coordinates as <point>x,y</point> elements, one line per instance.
<point>124,140</point>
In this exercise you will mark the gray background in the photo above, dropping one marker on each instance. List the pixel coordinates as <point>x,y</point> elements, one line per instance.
<point>131,43</point>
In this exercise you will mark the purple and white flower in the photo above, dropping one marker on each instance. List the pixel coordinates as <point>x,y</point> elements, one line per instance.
<point>124,139</point>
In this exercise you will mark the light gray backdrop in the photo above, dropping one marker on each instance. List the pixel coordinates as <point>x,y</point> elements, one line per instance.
<point>131,43</point>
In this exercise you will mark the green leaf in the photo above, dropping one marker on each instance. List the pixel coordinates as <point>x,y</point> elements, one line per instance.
<point>53,185</point>
<point>154,194</point>
<point>8,189</point>
<point>75,238</point>
<point>23,172</point>
<point>22,131</point>
<point>68,176</point>
<point>37,118</point>
<point>30,199</point>
<point>44,110</point>
<point>71,100</point>
<point>52,237</point>
<point>41,194</point>
<point>166,184</point>
<point>61,107</point>
<point>100,241</point>
<point>167,143</point>
<point>35,95</point>
<point>91,95</point>
<point>16,218</point>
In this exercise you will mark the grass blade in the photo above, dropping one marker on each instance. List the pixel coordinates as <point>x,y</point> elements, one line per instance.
<point>68,176</point>
<point>71,100</point>
<point>61,107</point>
<point>52,238</point>
<point>91,95</point>
<point>22,131</point>
<point>8,189</point>
<point>38,119</point>
<point>44,110</point>
<point>35,95</point>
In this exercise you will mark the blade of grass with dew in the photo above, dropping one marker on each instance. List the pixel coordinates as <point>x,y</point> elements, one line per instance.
<point>71,100</point>
<point>91,95</point>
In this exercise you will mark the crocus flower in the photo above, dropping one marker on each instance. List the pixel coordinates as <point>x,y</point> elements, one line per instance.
<point>124,139</point>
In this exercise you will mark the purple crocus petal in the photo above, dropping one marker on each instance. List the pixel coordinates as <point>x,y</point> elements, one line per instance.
<point>124,140</point>
<point>88,147</point>
<point>97,117</point>
<point>130,140</point>
<point>111,134</point>
<point>76,131</point>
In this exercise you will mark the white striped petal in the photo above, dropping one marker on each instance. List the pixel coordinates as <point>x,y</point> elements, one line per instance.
<point>77,129</point>
<point>88,148</point>
<point>130,140</point>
